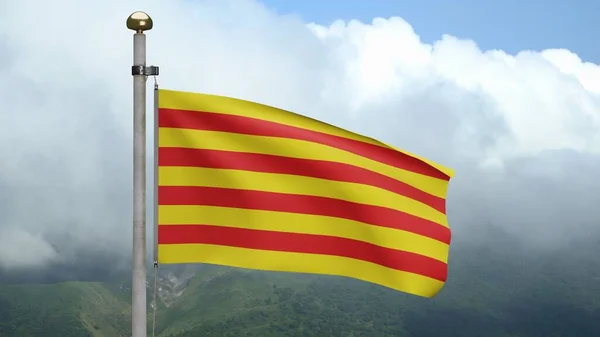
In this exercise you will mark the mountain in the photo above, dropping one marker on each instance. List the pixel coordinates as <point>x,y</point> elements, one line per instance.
<point>511,290</point>
<point>68,309</point>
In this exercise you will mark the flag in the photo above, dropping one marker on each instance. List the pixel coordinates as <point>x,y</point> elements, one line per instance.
<point>247,185</point>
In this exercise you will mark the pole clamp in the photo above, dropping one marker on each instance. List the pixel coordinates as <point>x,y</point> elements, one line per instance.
<point>144,70</point>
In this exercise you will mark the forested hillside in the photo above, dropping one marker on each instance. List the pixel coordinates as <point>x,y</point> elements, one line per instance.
<point>513,291</point>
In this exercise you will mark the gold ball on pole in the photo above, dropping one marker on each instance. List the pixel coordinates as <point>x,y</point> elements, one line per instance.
<point>139,22</point>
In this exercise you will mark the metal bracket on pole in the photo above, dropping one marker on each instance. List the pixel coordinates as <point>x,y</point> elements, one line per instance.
<point>144,70</point>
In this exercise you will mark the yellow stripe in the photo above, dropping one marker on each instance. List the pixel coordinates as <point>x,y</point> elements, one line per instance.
<point>292,184</point>
<point>214,140</point>
<point>305,224</point>
<point>448,171</point>
<point>225,105</point>
<point>301,263</point>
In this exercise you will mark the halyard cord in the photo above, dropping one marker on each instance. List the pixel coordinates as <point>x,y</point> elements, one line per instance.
<point>154,298</point>
<point>155,285</point>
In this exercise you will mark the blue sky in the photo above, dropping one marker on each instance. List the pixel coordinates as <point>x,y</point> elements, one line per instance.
<point>510,25</point>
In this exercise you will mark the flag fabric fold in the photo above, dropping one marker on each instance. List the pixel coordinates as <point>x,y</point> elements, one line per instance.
<point>247,185</point>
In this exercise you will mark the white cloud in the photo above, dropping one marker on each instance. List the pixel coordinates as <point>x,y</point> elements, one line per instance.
<point>23,249</point>
<point>65,102</point>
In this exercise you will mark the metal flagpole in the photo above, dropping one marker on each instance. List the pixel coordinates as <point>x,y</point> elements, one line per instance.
<point>139,22</point>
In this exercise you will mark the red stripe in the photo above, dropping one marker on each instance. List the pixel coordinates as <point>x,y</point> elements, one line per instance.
<point>304,204</point>
<point>170,118</point>
<point>170,156</point>
<point>303,243</point>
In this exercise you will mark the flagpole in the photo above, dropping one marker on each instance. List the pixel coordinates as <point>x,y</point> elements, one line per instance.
<point>139,22</point>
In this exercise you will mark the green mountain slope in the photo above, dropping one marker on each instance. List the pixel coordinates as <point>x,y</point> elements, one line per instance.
<point>510,291</point>
<point>71,309</point>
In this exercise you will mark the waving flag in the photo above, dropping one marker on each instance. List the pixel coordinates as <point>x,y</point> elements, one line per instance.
<point>247,185</point>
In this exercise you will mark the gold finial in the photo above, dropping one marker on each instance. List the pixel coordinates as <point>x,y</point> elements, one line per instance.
<point>139,22</point>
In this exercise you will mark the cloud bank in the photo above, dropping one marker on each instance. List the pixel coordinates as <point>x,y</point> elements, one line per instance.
<point>522,131</point>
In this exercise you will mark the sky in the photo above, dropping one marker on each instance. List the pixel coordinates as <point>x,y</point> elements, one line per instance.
<point>510,25</point>
<point>520,123</point>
